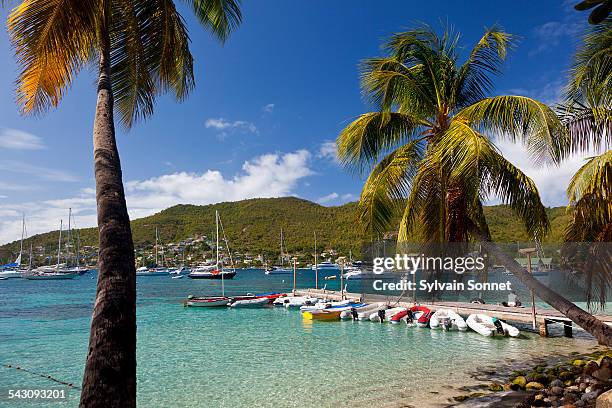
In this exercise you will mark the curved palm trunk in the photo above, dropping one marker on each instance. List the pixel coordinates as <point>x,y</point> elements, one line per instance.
<point>600,330</point>
<point>110,372</point>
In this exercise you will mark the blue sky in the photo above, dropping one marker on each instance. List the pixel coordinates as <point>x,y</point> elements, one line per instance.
<point>266,106</point>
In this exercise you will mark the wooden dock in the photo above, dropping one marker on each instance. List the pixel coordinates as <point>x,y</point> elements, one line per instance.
<point>543,317</point>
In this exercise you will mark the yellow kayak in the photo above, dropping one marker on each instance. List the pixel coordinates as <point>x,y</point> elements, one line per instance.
<point>322,314</point>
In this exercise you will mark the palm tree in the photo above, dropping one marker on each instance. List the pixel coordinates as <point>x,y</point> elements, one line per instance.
<point>429,153</point>
<point>141,49</point>
<point>587,115</point>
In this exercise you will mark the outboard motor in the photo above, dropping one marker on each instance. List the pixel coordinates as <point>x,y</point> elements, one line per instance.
<point>381,314</point>
<point>447,324</point>
<point>409,317</point>
<point>354,313</point>
<point>498,326</point>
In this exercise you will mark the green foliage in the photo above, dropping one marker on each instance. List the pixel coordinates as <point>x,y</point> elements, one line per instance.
<point>254,226</point>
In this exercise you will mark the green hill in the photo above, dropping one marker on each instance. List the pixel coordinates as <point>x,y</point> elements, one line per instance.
<point>253,226</point>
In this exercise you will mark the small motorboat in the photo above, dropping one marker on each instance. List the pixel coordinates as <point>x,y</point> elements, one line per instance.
<point>490,326</point>
<point>295,301</point>
<point>178,277</point>
<point>415,316</point>
<point>252,302</point>
<point>331,312</point>
<point>271,296</point>
<point>362,312</point>
<point>447,319</point>
<point>207,301</point>
<point>328,305</point>
<point>278,270</point>
<point>322,314</point>
<point>332,277</point>
<point>385,315</point>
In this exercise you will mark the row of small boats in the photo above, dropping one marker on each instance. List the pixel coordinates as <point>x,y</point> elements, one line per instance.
<point>248,300</point>
<point>419,316</point>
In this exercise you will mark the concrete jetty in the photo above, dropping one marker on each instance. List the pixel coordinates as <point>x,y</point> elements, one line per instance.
<point>543,317</point>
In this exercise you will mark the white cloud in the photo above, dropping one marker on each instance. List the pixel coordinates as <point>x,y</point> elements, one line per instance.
<point>336,198</point>
<point>269,108</point>
<point>19,140</point>
<point>269,175</point>
<point>328,150</point>
<point>225,127</point>
<point>37,171</point>
<point>328,198</point>
<point>551,181</point>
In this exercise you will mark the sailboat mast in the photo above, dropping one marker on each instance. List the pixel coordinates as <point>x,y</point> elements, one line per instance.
<point>59,245</point>
<point>22,235</point>
<point>218,269</point>
<point>316,264</point>
<point>69,235</point>
<point>281,254</point>
<point>156,247</point>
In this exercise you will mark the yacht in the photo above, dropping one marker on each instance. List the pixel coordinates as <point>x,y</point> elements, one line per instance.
<point>325,265</point>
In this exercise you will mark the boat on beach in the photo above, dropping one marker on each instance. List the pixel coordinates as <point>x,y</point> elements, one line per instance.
<point>447,319</point>
<point>490,326</point>
<point>295,301</point>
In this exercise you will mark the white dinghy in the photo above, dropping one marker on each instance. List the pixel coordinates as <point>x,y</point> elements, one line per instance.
<point>254,302</point>
<point>490,326</point>
<point>447,319</point>
<point>363,313</point>
<point>389,313</point>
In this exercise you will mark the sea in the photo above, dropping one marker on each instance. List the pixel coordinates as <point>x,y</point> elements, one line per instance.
<point>268,357</point>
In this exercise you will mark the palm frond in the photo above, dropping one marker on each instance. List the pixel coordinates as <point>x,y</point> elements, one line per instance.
<point>387,187</point>
<point>424,216</point>
<point>53,39</point>
<point>373,134</point>
<point>389,84</point>
<point>150,56</point>
<point>472,161</point>
<point>221,17</point>
<point>590,195</point>
<point>591,73</point>
<point>520,118</point>
<point>484,61</point>
<point>587,127</point>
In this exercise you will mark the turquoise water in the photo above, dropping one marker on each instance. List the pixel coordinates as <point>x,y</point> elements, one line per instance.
<point>248,357</point>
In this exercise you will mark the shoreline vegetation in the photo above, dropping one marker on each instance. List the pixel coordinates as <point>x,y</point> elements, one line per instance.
<point>250,229</point>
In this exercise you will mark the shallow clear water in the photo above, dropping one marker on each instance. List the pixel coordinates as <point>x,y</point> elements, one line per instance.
<point>248,357</point>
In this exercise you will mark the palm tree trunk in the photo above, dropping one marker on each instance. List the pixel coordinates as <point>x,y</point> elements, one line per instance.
<point>600,330</point>
<point>109,380</point>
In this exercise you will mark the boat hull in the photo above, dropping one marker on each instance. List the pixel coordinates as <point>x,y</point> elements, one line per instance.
<point>49,276</point>
<point>257,302</point>
<point>208,302</point>
<point>210,275</point>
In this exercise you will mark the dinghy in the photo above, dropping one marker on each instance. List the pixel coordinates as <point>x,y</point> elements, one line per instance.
<point>295,301</point>
<point>388,314</point>
<point>254,302</point>
<point>420,316</point>
<point>490,326</point>
<point>364,314</point>
<point>447,319</point>
<point>331,312</point>
<point>327,305</point>
<point>207,301</point>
